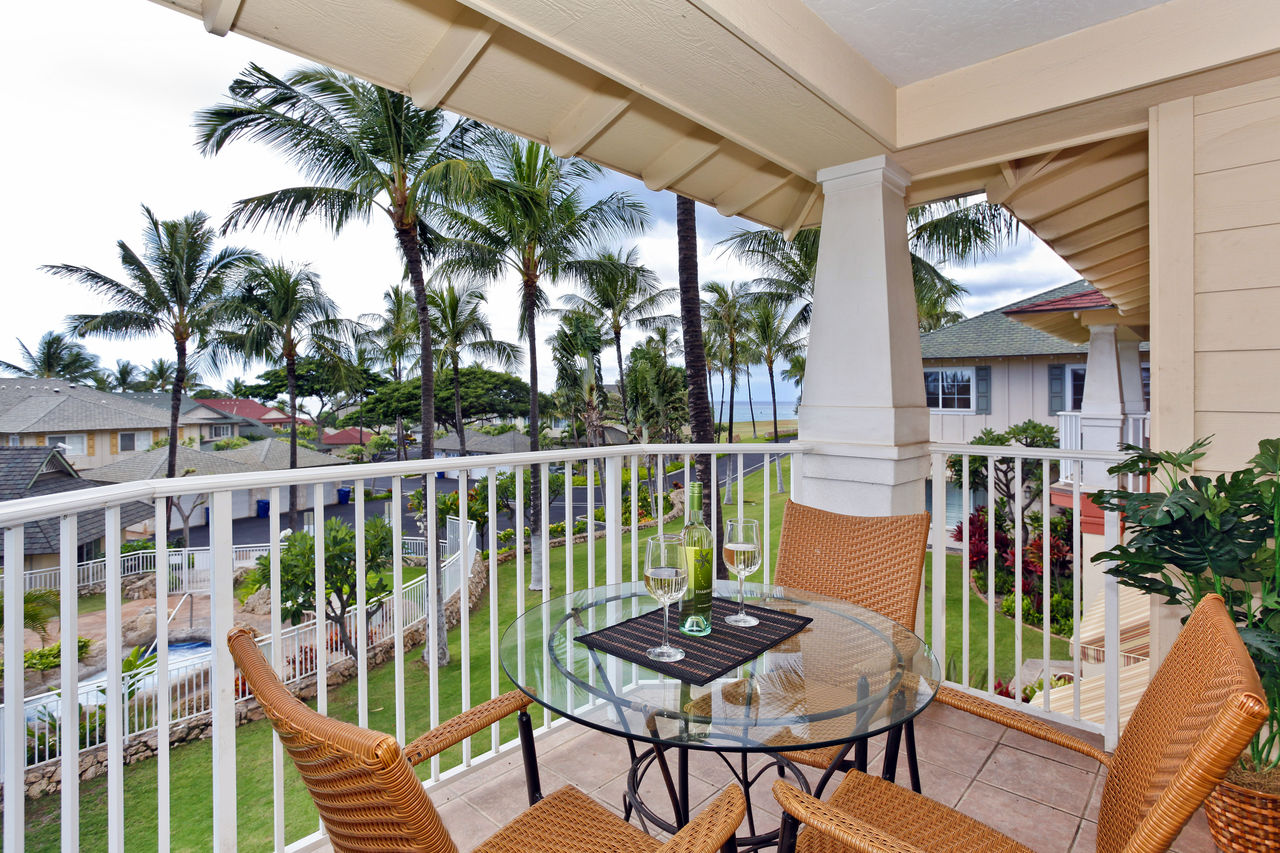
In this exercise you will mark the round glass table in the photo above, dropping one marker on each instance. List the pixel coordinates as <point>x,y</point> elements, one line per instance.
<point>848,675</point>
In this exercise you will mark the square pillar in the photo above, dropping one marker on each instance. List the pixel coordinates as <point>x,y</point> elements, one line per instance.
<point>863,405</point>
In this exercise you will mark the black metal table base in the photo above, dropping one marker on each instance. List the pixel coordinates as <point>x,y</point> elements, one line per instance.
<point>677,788</point>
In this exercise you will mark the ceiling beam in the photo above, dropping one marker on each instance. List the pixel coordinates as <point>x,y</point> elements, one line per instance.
<point>219,15</point>
<point>796,218</point>
<point>588,118</point>
<point>450,57</point>
<point>1132,220</point>
<point>745,193</point>
<point>687,154</point>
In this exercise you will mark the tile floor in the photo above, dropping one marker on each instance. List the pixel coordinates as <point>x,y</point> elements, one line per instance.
<point>1040,794</point>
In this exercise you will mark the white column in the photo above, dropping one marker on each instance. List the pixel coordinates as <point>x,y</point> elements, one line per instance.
<point>863,408</point>
<point>1102,410</point>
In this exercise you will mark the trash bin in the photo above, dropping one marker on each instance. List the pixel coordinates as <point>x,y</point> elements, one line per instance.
<point>344,494</point>
<point>264,508</point>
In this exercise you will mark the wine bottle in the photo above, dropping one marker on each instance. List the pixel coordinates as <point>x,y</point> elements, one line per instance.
<point>695,609</point>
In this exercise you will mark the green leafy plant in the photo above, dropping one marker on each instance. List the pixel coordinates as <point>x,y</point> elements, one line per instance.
<point>1193,535</point>
<point>231,442</point>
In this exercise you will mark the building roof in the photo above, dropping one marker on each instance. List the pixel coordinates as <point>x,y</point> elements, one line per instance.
<point>272,454</point>
<point>347,436</point>
<point>27,472</point>
<point>513,441</point>
<point>51,405</point>
<point>995,335</point>
<point>153,464</point>
<point>1087,300</point>
<point>188,405</point>
<point>252,409</point>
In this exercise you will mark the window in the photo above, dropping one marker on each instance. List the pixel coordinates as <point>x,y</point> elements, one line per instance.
<point>76,445</point>
<point>949,389</point>
<point>1075,376</point>
<point>15,440</point>
<point>134,441</point>
<point>219,430</point>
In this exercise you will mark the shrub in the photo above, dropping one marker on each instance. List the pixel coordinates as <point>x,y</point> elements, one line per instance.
<point>231,442</point>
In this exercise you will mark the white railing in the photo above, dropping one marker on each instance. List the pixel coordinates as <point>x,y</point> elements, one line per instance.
<point>210,686</point>
<point>1000,665</point>
<point>1136,430</point>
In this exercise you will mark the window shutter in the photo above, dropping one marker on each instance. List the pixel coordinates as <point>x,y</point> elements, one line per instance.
<point>1057,389</point>
<point>982,390</point>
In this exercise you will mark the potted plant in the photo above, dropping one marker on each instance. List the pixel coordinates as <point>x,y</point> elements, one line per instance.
<point>1192,535</point>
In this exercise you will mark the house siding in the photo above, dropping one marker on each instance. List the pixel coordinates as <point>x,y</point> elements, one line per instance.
<point>1234,342</point>
<point>1019,391</point>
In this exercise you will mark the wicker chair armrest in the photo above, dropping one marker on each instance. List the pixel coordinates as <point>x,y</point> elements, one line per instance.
<point>713,826</point>
<point>838,824</point>
<point>466,724</point>
<point>1018,721</point>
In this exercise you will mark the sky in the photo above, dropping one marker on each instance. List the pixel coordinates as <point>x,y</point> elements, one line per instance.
<point>101,99</point>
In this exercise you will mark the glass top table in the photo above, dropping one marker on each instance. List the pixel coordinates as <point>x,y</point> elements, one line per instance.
<point>850,674</point>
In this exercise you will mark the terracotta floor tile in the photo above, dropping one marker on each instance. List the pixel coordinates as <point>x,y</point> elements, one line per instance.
<point>956,750</point>
<point>1086,838</point>
<point>1040,827</point>
<point>1027,743</point>
<point>467,825</point>
<point>937,783</point>
<point>937,713</point>
<point>504,797</point>
<point>1036,778</point>
<point>1195,837</point>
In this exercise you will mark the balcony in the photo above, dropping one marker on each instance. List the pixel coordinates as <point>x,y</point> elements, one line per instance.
<point>140,791</point>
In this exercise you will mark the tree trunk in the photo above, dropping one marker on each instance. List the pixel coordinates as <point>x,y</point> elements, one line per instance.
<point>175,404</point>
<point>773,398</point>
<point>457,409</point>
<point>622,382</point>
<point>733,385</point>
<point>412,250</point>
<point>695,356</point>
<point>291,374</point>
<point>529,304</point>
<point>751,405</point>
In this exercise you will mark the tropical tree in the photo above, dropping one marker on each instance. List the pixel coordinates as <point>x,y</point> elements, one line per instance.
<point>775,338</point>
<point>575,352</point>
<point>39,607</point>
<point>725,308</point>
<point>175,288</point>
<point>461,328</point>
<point>533,235</point>
<point>56,356</point>
<point>365,148</point>
<point>126,377</point>
<point>658,393</point>
<point>238,389</point>
<point>663,340</point>
<point>394,333</point>
<point>788,267</point>
<point>159,374</point>
<point>616,287</point>
<point>794,371</point>
<point>278,311</point>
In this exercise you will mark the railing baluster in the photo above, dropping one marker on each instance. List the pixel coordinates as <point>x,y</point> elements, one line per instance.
<point>492,479</point>
<point>1111,631</point>
<point>517,519</point>
<point>635,518</point>
<point>766,499</point>
<point>362,615</point>
<point>714,500</point>
<point>434,585</point>
<point>160,563</point>
<point>277,663</point>
<point>222,673</point>
<point>939,560</point>
<point>115,686</point>
<point>966,510</point>
<point>397,598</point>
<point>1076,582</point>
<point>1046,575</point>
<point>464,559</point>
<point>742,482</point>
<point>1017,578</point>
<point>15,729</point>
<point>991,574</point>
<point>544,549</point>
<point>568,528</point>
<point>68,630</point>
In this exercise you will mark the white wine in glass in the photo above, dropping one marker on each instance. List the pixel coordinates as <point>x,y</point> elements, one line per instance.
<point>665,577</point>
<point>742,556</point>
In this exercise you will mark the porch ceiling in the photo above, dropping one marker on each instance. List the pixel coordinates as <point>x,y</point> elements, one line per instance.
<point>739,103</point>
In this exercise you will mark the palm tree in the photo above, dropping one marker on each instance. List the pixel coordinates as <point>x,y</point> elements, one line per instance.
<point>664,342</point>
<point>534,235</point>
<point>775,337</point>
<point>395,335</point>
<point>365,148</point>
<point>237,388</point>
<point>39,606</point>
<point>794,371</point>
<point>461,328</point>
<point>621,291</point>
<point>956,231</point>
<point>158,376</point>
<point>278,311</point>
<point>175,288</point>
<point>126,377</point>
<point>725,315</point>
<point>575,352</point>
<point>56,356</point>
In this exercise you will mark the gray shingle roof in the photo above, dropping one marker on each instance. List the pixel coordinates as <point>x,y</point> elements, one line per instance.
<point>153,464</point>
<point>479,442</point>
<point>992,335</point>
<point>32,471</point>
<point>51,405</point>
<point>273,455</point>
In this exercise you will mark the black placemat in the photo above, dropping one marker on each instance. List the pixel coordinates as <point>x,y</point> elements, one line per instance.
<point>705,658</point>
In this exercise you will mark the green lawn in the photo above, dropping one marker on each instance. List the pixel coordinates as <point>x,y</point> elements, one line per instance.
<point>190,785</point>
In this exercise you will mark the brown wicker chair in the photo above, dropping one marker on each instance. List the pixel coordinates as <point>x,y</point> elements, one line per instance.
<point>369,798</point>
<point>1201,708</point>
<point>875,562</point>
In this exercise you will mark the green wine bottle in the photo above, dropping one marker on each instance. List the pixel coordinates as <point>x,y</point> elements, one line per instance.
<point>695,609</point>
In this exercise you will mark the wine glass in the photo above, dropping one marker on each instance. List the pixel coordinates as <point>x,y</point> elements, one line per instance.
<point>666,576</point>
<point>742,556</point>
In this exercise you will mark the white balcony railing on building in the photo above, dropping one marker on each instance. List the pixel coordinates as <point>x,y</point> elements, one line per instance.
<point>1136,431</point>
<point>748,473</point>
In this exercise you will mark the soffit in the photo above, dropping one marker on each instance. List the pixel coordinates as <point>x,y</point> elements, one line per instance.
<point>945,35</point>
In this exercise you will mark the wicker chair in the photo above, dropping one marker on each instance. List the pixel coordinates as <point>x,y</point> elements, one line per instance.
<point>369,798</point>
<point>1200,710</point>
<point>875,562</point>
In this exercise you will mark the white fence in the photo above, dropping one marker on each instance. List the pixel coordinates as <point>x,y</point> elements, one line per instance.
<point>312,647</point>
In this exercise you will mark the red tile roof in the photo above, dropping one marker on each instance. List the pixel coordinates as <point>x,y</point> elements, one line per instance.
<point>349,435</point>
<point>1088,300</point>
<point>250,409</point>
